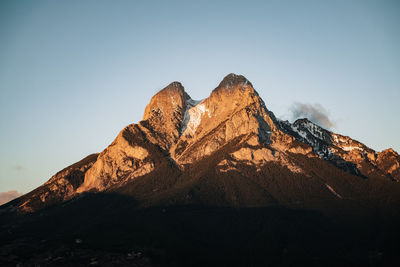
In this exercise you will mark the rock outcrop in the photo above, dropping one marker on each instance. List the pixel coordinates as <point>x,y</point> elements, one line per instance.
<point>122,161</point>
<point>163,116</point>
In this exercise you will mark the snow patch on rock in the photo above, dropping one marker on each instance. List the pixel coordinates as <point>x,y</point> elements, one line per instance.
<point>350,148</point>
<point>193,114</point>
<point>301,133</point>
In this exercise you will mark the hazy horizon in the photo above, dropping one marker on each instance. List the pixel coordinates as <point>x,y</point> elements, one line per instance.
<point>74,73</point>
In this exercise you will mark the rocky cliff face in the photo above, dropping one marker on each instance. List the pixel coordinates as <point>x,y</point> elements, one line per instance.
<point>230,133</point>
<point>164,115</point>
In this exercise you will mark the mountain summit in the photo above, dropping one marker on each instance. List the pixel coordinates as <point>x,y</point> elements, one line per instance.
<point>227,149</point>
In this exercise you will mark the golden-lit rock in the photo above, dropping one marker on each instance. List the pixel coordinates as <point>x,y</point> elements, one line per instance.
<point>163,116</point>
<point>118,163</point>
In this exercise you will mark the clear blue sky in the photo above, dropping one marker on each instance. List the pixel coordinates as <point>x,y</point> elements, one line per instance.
<point>74,73</point>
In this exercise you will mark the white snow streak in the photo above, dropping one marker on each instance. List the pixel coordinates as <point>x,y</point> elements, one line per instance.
<point>192,118</point>
<point>301,133</point>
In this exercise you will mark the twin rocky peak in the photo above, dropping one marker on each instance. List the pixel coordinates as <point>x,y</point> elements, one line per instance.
<point>186,130</point>
<point>179,132</point>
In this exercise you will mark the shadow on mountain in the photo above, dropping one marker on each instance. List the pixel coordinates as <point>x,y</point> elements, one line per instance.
<point>195,235</point>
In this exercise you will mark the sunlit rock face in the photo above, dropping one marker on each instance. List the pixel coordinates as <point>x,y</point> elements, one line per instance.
<point>178,133</point>
<point>163,116</point>
<point>233,109</point>
<point>119,163</point>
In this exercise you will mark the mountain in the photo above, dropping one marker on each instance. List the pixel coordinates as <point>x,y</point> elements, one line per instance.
<point>226,151</point>
<point>228,134</point>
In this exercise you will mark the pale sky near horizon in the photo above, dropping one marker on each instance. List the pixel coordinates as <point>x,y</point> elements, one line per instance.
<point>74,73</point>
